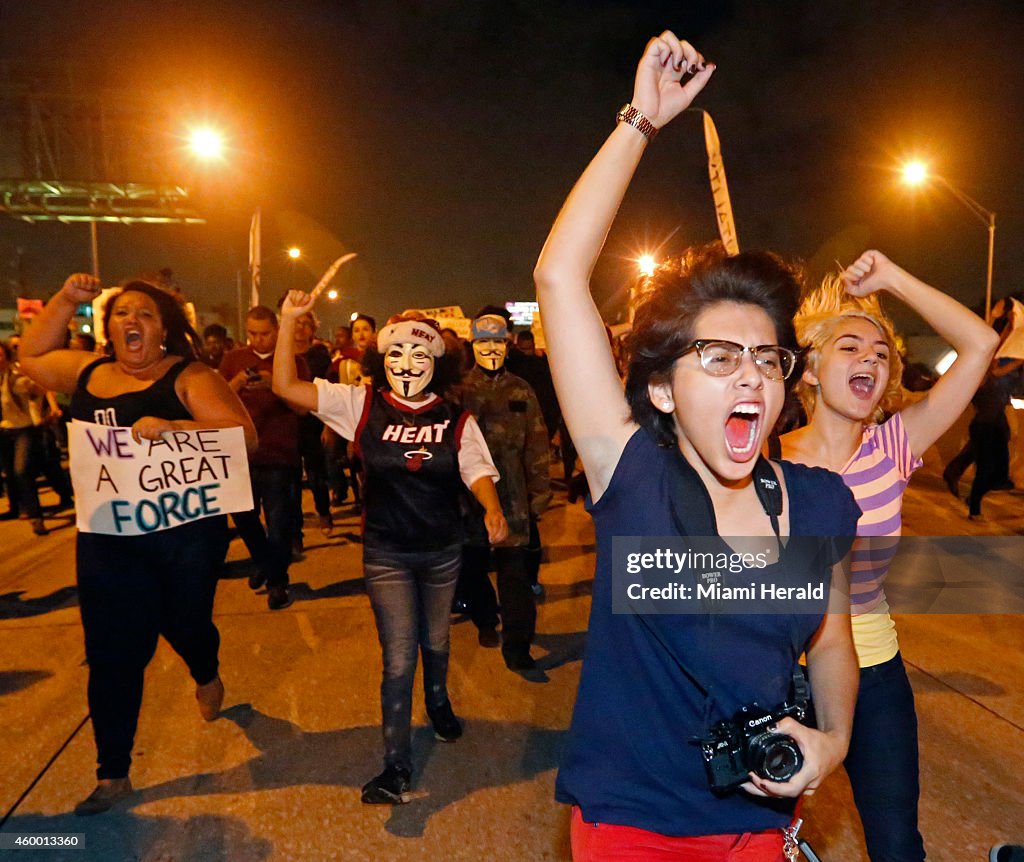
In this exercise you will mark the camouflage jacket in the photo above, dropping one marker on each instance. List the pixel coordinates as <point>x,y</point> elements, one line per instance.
<point>509,417</point>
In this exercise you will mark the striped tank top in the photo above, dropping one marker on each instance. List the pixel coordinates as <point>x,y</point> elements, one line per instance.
<point>877,474</point>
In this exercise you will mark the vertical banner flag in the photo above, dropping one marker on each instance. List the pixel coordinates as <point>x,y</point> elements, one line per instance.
<point>255,255</point>
<point>124,488</point>
<point>719,187</point>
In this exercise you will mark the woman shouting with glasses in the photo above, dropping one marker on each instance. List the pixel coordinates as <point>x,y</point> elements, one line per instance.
<point>711,351</point>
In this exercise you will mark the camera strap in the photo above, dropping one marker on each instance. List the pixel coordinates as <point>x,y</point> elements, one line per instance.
<point>693,513</point>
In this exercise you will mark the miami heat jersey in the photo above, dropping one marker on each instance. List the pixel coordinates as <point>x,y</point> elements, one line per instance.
<point>411,474</point>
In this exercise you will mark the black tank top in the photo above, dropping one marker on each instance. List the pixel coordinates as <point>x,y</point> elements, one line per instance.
<point>411,467</point>
<point>157,399</point>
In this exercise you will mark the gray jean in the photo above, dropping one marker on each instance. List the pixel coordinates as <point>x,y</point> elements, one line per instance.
<point>411,596</point>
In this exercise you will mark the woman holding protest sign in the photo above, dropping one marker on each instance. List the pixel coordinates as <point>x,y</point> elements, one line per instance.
<point>132,589</point>
<point>711,350</point>
<point>417,451</point>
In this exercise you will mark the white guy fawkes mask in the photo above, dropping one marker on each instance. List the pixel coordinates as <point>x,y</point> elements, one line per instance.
<point>409,368</point>
<point>490,353</point>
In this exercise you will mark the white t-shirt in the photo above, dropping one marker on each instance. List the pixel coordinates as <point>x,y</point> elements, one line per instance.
<point>340,406</point>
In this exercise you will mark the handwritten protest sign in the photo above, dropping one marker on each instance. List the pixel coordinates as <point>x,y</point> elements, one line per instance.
<point>124,488</point>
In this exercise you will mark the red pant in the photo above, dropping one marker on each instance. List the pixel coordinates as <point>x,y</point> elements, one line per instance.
<point>606,842</point>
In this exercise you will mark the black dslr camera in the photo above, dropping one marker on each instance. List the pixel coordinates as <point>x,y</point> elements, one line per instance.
<point>749,743</point>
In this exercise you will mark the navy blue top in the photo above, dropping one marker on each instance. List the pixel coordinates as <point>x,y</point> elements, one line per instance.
<point>628,760</point>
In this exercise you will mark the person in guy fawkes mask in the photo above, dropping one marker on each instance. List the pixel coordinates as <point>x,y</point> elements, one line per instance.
<point>509,415</point>
<point>417,451</point>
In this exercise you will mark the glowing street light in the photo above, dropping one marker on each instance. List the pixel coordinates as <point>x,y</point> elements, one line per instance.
<point>646,264</point>
<point>916,173</point>
<point>294,253</point>
<point>206,143</point>
<point>332,294</point>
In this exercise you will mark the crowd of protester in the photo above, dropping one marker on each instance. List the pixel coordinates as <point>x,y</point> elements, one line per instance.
<point>444,446</point>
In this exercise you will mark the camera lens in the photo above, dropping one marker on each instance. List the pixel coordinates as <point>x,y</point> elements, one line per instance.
<point>775,756</point>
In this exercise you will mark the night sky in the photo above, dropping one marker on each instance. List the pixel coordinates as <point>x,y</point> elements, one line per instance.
<point>438,139</point>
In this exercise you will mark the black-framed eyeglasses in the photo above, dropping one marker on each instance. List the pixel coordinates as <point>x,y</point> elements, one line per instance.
<point>722,358</point>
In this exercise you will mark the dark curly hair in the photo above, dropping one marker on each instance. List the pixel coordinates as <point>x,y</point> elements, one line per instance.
<point>182,339</point>
<point>681,289</point>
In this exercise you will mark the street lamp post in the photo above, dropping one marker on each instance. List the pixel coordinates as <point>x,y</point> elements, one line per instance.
<point>916,173</point>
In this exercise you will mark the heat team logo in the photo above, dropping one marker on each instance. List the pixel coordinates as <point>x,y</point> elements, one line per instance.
<point>415,433</point>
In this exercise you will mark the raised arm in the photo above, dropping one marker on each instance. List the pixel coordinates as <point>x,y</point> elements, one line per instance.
<point>582,365</point>
<point>973,340</point>
<point>42,354</point>
<point>300,394</point>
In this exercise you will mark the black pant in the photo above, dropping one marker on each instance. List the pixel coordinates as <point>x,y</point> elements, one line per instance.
<point>24,454</point>
<point>518,608</point>
<point>273,490</point>
<point>958,466</point>
<point>336,456</point>
<point>474,587</point>
<point>568,451</point>
<point>882,763</point>
<point>314,459</point>
<point>131,590</point>
<point>534,551</point>
<point>991,444</point>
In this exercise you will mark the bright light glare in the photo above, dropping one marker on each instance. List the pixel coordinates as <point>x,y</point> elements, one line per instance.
<point>947,359</point>
<point>915,173</point>
<point>646,264</point>
<point>1017,403</point>
<point>294,253</point>
<point>353,316</point>
<point>332,294</point>
<point>86,328</point>
<point>207,143</point>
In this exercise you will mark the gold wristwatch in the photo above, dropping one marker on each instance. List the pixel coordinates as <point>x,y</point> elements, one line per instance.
<point>631,116</point>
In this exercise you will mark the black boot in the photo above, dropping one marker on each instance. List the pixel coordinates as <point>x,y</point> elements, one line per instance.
<point>388,788</point>
<point>447,728</point>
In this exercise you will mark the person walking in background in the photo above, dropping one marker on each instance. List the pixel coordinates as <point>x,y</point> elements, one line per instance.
<point>989,421</point>
<point>346,368</point>
<point>312,454</point>
<point>24,443</point>
<point>852,381</point>
<point>510,418</point>
<point>418,451</point>
<point>989,430</point>
<point>133,589</point>
<point>274,465</point>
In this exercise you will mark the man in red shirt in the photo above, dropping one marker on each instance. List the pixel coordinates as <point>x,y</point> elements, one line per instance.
<point>274,465</point>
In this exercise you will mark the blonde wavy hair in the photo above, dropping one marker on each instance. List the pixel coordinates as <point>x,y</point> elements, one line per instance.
<point>816,321</point>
